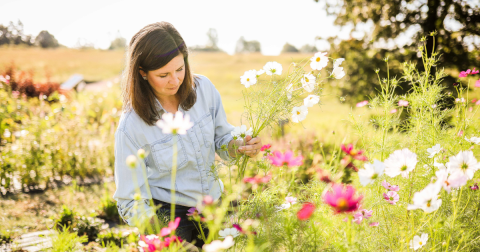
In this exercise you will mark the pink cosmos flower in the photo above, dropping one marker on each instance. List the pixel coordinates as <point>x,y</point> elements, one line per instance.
<point>478,102</point>
<point>291,200</point>
<point>474,71</point>
<point>474,100</point>
<point>356,154</point>
<point>207,200</point>
<point>474,187</point>
<point>391,197</point>
<point>357,218</point>
<point>477,83</point>
<point>171,227</point>
<point>258,179</point>
<point>362,103</point>
<point>193,211</point>
<point>150,243</point>
<point>342,199</point>
<point>393,111</point>
<point>389,187</point>
<point>460,133</point>
<point>173,238</point>
<point>241,230</point>
<point>374,224</point>
<point>403,103</point>
<point>265,147</point>
<point>363,214</point>
<point>279,159</point>
<point>306,211</point>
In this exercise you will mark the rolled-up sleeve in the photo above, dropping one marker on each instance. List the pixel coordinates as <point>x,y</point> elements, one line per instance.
<point>125,177</point>
<point>222,128</point>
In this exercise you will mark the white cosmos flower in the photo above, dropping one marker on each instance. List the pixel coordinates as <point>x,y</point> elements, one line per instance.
<point>241,132</point>
<point>418,241</point>
<point>308,82</point>
<point>260,72</point>
<point>449,181</point>
<point>272,68</point>
<point>216,246</point>
<point>283,206</point>
<point>319,61</point>
<point>337,62</point>
<point>475,140</point>
<point>249,78</point>
<point>434,150</point>
<point>400,162</point>
<point>338,73</point>
<point>464,162</point>
<point>299,113</point>
<point>371,172</point>
<point>427,199</point>
<point>228,231</point>
<point>177,125</point>
<point>289,91</point>
<point>311,100</point>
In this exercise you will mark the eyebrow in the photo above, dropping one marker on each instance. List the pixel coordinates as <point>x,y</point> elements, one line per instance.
<point>177,68</point>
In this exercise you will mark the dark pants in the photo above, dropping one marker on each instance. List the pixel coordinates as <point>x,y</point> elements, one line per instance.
<point>188,230</point>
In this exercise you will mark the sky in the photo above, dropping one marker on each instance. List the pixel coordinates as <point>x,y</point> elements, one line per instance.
<point>271,22</point>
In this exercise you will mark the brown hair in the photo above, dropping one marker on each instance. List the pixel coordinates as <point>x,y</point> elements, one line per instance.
<point>152,48</point>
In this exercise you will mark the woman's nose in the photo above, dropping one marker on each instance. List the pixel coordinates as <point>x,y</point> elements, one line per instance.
<point>176,79</point>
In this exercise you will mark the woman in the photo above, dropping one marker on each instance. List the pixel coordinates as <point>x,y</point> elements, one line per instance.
<point>156,80</point>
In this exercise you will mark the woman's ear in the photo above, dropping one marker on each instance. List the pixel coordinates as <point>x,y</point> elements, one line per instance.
<point>142,72</point>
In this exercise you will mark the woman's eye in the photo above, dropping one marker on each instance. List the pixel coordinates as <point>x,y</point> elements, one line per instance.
<point>162,76</point>
<point>180,69</point>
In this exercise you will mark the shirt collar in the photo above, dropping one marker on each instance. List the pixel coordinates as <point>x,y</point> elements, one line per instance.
<point>162,110</point>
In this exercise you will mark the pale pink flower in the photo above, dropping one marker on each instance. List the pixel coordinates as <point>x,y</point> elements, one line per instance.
<point>374,224</point>
<point>403,103</point>
<point>391,197</point>
<point>279,159</point>
<point>393,111</point>
<point>477,83</point>
<point>171,227</point>
<point>362,103</point>
<point>291,200</point>
<point>390,187</point>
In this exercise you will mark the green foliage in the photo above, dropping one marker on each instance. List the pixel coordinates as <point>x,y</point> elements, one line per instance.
<point>89,226</point>
<point>66,241</point>
<point>5,237</point>
<point>288,48</point>
<point>117,238</point>
<point>108,208</point>
<point>66,218</point>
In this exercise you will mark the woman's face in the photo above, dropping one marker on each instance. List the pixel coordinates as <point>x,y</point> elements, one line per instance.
<point>167,79</point>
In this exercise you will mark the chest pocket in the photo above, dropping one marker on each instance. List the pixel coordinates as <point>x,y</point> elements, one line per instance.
<point>207,129</point>
<point>163,154</point>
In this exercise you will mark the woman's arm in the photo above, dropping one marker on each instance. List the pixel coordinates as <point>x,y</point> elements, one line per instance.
<point>251,148</point>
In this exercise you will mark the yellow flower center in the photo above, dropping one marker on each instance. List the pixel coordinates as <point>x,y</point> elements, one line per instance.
<point>342,203</point>
<point>420,243</point>
<point>298,112</point>
<point>306,79</point>
<point>404,168</point>
<point>248,79</point>
<point>464,166</point>
<point>318,59</point>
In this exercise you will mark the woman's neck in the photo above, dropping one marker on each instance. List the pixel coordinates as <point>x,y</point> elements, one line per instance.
<point>170,103</point>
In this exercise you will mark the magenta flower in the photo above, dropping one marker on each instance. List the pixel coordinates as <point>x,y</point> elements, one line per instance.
<point>474,71</point>
<point>258,179</point>
<point>279,159</point>
<point>171,227</point>
<point>342,199</point>
<point>474,187</point>
<point>265,147</point>
<point>356,154</point>
<point>306,211</point>
<point>361,104</point>
<point>403,103</point>
<point>468,72</point>
<point>391,197</point>
<point>150,243</point>
<point>389,187</point>
<point>363,214</point>
<point>193,211</point>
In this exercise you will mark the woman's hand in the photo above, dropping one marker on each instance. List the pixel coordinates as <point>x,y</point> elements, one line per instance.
<point>252,146</point>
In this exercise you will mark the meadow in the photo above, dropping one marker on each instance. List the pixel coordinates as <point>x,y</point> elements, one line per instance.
<point>334,196</point>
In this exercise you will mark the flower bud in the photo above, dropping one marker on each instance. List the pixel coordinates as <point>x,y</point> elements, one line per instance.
<point>131,161</point>
<point>207,200</point>
<point>137,197</point>
<point>141,153</point>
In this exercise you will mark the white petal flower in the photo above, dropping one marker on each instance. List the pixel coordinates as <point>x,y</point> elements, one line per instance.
<point>400,162</point>
<point>427,199</point>
<point>272,68</point>
<point>283,206</point>
<point>475,140</point>
<point>464,162</point>
<point>434,150</point>
<point>418,241</point>
<point>319,61</point>
<point>217,246</point>
<point>299,114</point>
<point>338,73</point>
<point>449,181</point>
<point>292,200</point>
<point>308,82</point>
<point>249,78</point>
<point>289,91</point>
<point>311,100</point>
<point>241,132</point>
<point>260,72</point>
<point>371,172</point>
<point>228,231</point>
<point>177,125</point>
<point>337,62</point>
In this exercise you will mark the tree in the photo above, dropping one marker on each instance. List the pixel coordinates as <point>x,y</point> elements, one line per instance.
<point>212,38</point>
<point>118,43</point>
<point>13,34</point>
<point>308,49</point>
<point>46,40</point>
<point>287,48</point>
<point>455,22</point>
<point>244,46</point>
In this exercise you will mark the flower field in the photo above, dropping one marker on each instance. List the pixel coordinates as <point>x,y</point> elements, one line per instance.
<point>399,174</point>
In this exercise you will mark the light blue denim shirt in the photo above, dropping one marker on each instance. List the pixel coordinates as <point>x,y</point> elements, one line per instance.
<point>196,155</point>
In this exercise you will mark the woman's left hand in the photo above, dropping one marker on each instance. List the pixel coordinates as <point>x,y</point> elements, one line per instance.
<point>252,146</point>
